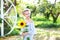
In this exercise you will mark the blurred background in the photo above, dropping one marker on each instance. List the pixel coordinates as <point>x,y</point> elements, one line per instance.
<point>44,13</point>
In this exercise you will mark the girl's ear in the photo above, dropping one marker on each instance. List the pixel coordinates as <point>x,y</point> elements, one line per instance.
<point>23,14</point>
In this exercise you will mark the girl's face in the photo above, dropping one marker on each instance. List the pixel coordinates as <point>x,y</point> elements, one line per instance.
<point>27,14</point>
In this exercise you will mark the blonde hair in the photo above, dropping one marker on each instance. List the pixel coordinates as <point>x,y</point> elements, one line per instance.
<point>27,10</point>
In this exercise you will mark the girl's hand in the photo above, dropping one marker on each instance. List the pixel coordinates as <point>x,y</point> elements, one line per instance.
<point>24,34</point>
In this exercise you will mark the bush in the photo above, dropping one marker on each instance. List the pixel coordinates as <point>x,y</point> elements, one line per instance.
<point>14,32</point>
<point>6,28</point>
<point>0,20</point>
<point>52,25</point>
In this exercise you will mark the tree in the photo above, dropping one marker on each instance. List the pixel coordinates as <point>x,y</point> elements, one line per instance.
<point>55,11</point>
<point>48,8</point>
<point>44,8</point>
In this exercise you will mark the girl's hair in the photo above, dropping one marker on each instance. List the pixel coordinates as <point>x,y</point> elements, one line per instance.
<point>27,10</point>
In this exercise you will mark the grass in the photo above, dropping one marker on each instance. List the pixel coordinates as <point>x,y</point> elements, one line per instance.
<point>41,34</point>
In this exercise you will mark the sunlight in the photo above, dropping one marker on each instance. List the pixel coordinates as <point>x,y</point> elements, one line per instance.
<point>52,1</point>
<point>35,1</point>
<point>31,1</point>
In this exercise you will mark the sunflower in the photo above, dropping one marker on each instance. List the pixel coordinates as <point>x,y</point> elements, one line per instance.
<point>21,24</point>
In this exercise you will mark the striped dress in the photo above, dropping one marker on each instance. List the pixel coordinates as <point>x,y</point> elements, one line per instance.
<point>31,31</point>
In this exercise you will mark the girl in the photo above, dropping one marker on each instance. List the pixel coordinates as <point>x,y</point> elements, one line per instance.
<point>30,23</point>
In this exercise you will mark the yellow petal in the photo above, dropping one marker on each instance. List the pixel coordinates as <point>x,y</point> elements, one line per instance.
<point>19,24</point>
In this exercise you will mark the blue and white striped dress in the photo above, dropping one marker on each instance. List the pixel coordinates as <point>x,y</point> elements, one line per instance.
<point>31,31</point>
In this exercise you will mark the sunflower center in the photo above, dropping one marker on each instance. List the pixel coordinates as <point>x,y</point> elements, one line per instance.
<point>22,23</point>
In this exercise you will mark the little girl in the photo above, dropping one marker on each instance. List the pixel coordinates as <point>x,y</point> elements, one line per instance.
<point>30,23</point>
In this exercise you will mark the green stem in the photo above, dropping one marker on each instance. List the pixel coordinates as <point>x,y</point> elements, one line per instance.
<point>28,38</point>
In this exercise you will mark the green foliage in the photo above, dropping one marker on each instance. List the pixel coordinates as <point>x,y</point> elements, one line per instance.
<point>48,25</point>
<point>45,8</point>
<point>39,19</point>
<point>0,31</point>
<point>15,32</point>
<point>28,38</point>
<point>0,20</point>
<point>42,22</point>
<point>6,29</point>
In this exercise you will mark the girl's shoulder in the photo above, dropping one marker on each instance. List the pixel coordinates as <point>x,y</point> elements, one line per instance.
<point>32,20</point>
<point>29,21</point>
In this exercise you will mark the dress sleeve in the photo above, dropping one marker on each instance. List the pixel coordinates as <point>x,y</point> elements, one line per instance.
<point>32,29</point>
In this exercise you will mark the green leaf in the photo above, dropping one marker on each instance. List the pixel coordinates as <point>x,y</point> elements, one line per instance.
<point>28,38</point>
